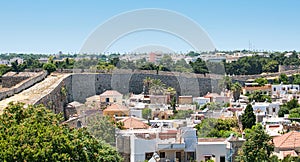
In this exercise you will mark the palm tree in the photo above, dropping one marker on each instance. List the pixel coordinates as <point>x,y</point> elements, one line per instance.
<point>147,81</point>
<point>157,87</point>
<point>236,90</point>
<point>171,92</point>
<point>226,82</point>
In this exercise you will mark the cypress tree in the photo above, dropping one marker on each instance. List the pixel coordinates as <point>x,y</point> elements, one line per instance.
<point>248,118</point>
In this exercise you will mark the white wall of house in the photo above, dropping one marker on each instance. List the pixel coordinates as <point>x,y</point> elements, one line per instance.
<point>141,147</point>
<point>267,108</point>
<point>221,99</point>
<point>4,62</point>
<point>135,112</point>
<point>111,99</point>
<point>282,89</point>
<point>201,100</point>
<point>218,149</point>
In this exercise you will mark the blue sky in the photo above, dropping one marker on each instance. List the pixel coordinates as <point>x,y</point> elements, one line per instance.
<point>40,26</point>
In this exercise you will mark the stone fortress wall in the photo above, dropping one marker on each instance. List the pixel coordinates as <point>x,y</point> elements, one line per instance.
<point>79,86</point>
<point>22,85</point>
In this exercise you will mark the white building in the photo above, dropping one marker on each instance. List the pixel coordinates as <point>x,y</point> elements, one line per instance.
<point>19,60</point>
<point>4,62</point>
<point>201,100</point>
<point>211,149</point>
<point>169,144</point>
<point>282,89</point>
<point>266,108</point>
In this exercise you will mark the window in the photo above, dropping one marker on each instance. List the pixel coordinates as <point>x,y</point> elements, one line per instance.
<point>190,156</point>
<point>222,158</point>
<point>178,155</point>
<point>274,89</point>
<point>162,155</point>
<point>206,158</point>
<point>274,109</point>
<point>148,155</point>
<point>106,99</point>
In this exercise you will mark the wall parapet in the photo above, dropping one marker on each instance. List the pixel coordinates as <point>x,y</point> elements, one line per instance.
<point>7,92</point>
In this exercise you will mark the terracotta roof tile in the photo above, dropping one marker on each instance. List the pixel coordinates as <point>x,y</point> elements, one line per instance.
<point>134,123</point>
<point>210,95</point>
<point>116,107</point>
<point>288,140</point>
<point>111,93</point>
<point>265,87</point>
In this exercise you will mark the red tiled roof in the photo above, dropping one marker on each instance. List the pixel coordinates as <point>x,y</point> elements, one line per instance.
<point>111,93</point>
<point>265,87</point>
<point>210,95</point>
<point>116,107</point>
<point>134,123</point>
<point>288,140</point>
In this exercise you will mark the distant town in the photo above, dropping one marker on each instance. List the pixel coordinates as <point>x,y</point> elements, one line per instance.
<point>216,106</point>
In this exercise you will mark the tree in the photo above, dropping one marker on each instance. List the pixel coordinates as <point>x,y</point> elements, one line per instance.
<point>14,66</point>
<point>248,118</point>
<point>261,81</point>
<point>290,158</point>
<point>4,69</point>
<point>199,66</point>
<point>285,108</point>
<point>226,82</point>
<point>296,79</point>
<point>147,82</point>
<point>183,114</point>
<point>236,89</point>
<point>171,92</point>
<point>147,113</point>
<point>182,66</point>
<point>258,96</point>
<point>166,62</point>
<point>34,133</point>
<point>283,78</point>
<point>212,127</point>
<point>173,104</point>
<point>271,66</point>
<point>102,128</point>
<point>51,60</point>
<point>294,113</point>
<point>257,147</point>
<point>49,67</point>
<point>157,87</point>
<point>192,54</point>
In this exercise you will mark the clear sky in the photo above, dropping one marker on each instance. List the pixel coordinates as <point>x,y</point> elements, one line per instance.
<point>40,26</point>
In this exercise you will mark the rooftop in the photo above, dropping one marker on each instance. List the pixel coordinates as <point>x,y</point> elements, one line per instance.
<point>111,93</point>
<point>210,95</point>
<point>134,123</point>
<point>265,87</point>
<point>288,140</point>
<point>116,107</point>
